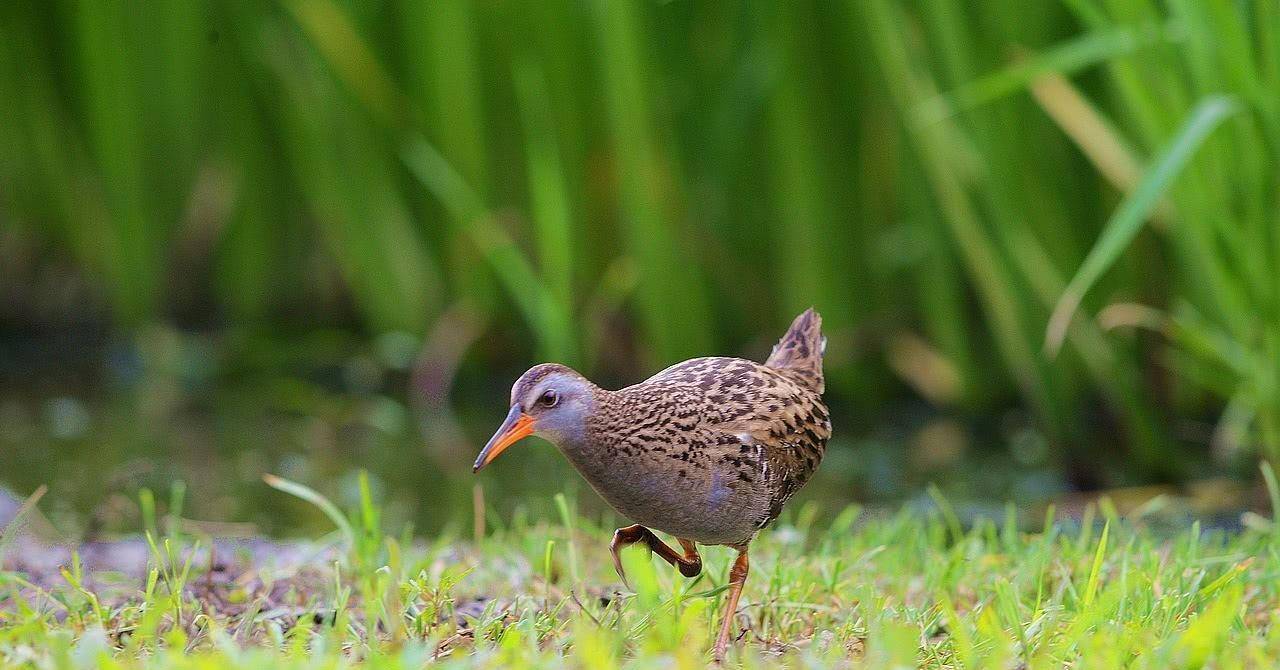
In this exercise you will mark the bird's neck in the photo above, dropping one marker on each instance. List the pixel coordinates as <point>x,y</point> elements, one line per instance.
<point>590,448</point>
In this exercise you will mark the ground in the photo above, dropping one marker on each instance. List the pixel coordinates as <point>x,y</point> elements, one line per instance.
<point>870,589</point>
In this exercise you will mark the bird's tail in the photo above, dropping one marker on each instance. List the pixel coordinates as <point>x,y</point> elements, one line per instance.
<point>799,352</point>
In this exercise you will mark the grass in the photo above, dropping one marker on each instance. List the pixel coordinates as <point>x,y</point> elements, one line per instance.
<point>861,589</point>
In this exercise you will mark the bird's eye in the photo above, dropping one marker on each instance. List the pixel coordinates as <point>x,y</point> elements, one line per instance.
<point>549,398</point>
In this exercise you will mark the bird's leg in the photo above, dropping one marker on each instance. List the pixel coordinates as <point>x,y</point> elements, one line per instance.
<point>737,577</point>
<point>690,563</point>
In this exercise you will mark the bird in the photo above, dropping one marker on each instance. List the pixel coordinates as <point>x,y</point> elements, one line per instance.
<point>708,450</point>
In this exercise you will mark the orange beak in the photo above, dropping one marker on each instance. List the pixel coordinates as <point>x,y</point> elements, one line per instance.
<point>516,427</point>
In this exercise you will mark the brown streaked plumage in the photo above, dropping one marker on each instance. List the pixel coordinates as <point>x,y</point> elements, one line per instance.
<point>708,450</point>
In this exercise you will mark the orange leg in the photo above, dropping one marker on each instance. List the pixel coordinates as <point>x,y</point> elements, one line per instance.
<point>737,577</point>
<point>690,563</point>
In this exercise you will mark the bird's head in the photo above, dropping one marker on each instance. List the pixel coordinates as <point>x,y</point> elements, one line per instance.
<point>551,401</point>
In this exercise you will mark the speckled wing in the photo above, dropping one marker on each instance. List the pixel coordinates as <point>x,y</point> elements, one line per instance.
<point>761,422</point>
<point>791,432</point>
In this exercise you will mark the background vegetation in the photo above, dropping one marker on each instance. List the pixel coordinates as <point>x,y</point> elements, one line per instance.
<point>304,235</point>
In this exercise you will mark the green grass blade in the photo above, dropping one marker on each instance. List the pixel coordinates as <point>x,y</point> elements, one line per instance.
<point>935,145</point>
<point>336,36</point>
<point>1136,208</point>
<point>548,191</point>
<point>1273,491</point>
<point>1071,56</point>
<point>315,498</point>
<point>675,312</point>
<point>549,318</point>
<point>10,530</point>
<point>1095,571</point>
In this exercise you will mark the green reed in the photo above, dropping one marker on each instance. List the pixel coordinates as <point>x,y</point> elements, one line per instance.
<point>699,171</point>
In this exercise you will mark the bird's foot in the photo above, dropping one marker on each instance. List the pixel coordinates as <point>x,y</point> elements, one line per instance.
<point>621,538</point>
<point>689,563</point>
<point>622,574</point>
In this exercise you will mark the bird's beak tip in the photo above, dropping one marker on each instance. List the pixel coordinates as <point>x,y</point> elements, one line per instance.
<point>516,427</point>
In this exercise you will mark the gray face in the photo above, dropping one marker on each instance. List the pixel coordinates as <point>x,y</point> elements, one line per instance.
<point>559,400</point>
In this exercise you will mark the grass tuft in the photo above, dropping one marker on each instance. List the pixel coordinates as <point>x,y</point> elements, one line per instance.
<point>866,590</point>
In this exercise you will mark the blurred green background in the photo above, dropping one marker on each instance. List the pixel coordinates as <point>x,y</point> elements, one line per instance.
<point>313,236</point>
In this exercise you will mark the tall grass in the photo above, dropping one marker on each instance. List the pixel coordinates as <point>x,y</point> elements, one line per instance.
<point>938,170</point>
<point>1210,70</point>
